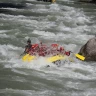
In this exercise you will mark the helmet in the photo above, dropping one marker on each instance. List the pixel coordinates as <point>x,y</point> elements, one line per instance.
<point>28,41</point>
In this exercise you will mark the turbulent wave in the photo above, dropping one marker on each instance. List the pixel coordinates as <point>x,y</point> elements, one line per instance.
<point>65,22</point>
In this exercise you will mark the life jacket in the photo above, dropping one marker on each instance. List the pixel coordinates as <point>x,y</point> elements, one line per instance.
<point>34,46</point>
<point>61,49</point>
<point>67,53</point>
<point>54,45</point>
<point>43,48</point>
<point>41,53</point>
<point>33,49</point>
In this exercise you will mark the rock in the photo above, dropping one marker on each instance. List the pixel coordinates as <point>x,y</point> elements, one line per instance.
<point>89,50</point>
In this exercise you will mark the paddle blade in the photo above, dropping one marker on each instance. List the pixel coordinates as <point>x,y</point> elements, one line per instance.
<point>80,57</point>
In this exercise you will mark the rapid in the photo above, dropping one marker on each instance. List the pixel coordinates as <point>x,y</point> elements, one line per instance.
<point>66,22</point>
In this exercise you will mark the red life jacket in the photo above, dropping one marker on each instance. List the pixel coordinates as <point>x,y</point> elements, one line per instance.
<point>41,53</point>
<point>34,46</point>
<point>33,49</point>
<point>67,53</point>
<point>54,45</point>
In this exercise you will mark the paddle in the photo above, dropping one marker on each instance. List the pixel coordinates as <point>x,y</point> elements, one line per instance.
<point>80,57</point>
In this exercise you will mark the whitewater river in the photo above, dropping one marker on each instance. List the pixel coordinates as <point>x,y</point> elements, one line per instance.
<point>66,22</point>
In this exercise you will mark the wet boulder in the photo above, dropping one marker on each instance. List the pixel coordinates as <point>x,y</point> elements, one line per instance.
<point>89,50</point>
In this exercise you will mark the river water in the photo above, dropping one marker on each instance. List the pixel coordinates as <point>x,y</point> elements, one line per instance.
<point>66,22</point>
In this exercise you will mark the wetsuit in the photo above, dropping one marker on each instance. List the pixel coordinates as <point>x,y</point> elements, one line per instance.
<point>27,48</point>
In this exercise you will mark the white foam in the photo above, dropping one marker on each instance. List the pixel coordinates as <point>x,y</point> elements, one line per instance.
<point>3,31</point>
<point>35,64</point>
<point>43,33</point>
<point>70,24</point>
<point>26,92</point>
<point>9,51</point>
<point>4,36</point>
<point>54,7</point>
